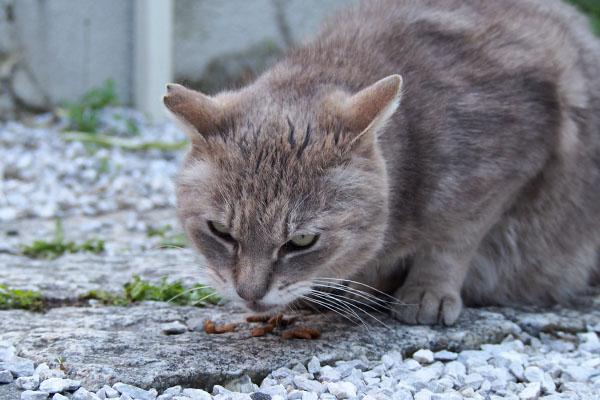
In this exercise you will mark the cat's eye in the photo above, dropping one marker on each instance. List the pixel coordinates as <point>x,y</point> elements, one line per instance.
<point>300,242</point>
<point>220,230</point>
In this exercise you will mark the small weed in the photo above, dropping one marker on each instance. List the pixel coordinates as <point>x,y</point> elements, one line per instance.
<point>57,246</point>
<point>106,298</point>
<point>159,231</point>
<point>124,143</point>
<point>21,299</point>
<point>174,240</point>
<point>141,290</point>
<point>84,113</point>
<point>177,240</point>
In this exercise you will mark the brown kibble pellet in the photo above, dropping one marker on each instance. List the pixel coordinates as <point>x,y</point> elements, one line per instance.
<point>276,320</point>
<point>211,328</point>
<point>257,318</point>
<point>308,334</point>
<point>261,330</point>
<point>314,334</point>
<point>225,328</point>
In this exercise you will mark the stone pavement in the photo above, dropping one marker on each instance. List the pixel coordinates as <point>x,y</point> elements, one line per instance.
<point>109,344</point>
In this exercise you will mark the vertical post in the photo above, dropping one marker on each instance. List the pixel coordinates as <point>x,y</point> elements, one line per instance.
<point>153,65</point>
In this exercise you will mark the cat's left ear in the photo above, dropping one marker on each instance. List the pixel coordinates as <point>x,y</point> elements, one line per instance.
<point>368,111</point>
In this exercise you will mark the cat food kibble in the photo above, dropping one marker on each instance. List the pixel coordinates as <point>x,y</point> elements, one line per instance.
<point>260,331</point>
<point>308,334</point>
<point>257,318</point>
<point>211,328</point>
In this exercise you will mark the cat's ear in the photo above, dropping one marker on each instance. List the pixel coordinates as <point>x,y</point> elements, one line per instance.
<point>196,113</point>
<point>370,109</point>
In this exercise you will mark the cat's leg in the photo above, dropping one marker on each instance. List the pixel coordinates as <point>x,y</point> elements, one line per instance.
<point>431,292</point>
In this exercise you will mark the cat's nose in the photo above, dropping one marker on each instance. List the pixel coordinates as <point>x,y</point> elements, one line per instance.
<point>252,278</point>
<point>251,292</point>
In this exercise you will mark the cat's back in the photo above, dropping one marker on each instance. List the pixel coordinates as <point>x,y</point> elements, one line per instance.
<point>421,37</point>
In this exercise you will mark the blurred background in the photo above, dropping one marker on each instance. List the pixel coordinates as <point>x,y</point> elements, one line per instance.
<point>53,51</point>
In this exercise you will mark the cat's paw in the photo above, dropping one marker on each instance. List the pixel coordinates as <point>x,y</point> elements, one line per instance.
<point>425,305</point>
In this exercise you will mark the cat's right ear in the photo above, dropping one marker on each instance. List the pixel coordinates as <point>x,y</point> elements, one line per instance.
<point>197,114</point>
<point>365,113</point>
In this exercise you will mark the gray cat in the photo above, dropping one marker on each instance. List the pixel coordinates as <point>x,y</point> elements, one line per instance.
<point>444,151</point>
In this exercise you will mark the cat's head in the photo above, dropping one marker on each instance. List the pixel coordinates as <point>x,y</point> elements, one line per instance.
<point>279,190</point>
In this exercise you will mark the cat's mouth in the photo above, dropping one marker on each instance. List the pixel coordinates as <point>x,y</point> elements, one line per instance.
<point>258,306</point>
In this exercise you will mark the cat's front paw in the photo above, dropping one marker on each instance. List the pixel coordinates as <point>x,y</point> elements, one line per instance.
<point>426,305</point>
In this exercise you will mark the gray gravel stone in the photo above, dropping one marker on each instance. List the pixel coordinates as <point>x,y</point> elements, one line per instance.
<point>531,392</point>
<point>536,374</point>
<point>445,355</point>
<point>260,396</point>
<point>28,382</point>
<point>329,374</point>
<point>474,380</point>
<point>304,383</point>
<point>33,395</point>
<point>590,342</point>
<point>342,390</point>
<point>314,366</point>
<point>55,385</point>
<point>174,328</point>
<point>473,358</point>
<point>400,395</point>
<point>173,390</point>
<point>274,390</point>
<point>309,396</point>
<point>58,396</point>
<point>18,366</point>
<point>574,373</point>
<point>423,356</point>
<point>134,391</point>
<point>455,369</point>
<point>108,392</point>
<point>7,351</point>
<point>5,376</point>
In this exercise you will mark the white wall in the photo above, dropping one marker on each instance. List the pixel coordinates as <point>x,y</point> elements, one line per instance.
<point>68,46</point>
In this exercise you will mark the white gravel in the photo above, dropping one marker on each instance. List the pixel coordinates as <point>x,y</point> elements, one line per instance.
<point>475,374</point>
<point>44,176</point>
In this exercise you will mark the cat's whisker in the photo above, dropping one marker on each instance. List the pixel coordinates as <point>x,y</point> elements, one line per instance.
<point>332,306</point>
<point>357,301</point>
<point>206,297</point>
<point>193,289</point>
<point>340,305</point>
<point>349,303</point>
<point>329,307</point>
<point>393,299</point>
<point>357,292</point>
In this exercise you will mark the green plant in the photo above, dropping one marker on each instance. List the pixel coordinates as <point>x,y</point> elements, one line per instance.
<point>21,299</point>
<point>83,115</point>
<point>57,246</point>
<point>124,143</point>
<point>141,290</point>
<point>174,240</point>
<point>592,9</point>
<point>159,231</point>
